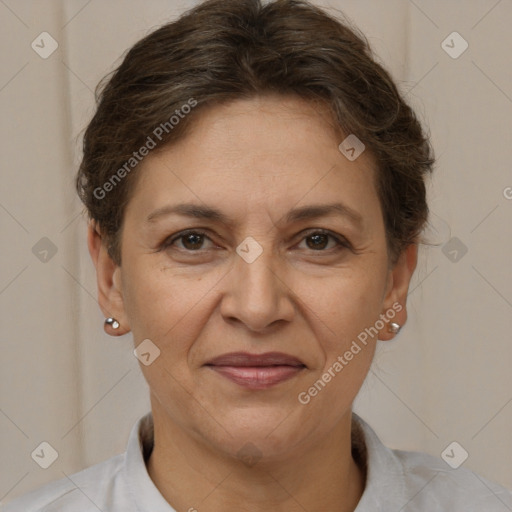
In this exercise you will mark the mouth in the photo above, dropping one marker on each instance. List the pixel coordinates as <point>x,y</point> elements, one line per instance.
<point>256,371</point>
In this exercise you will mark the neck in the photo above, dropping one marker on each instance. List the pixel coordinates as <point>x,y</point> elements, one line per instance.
<point>191,475</point>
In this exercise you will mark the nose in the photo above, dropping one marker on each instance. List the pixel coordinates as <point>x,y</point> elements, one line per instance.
<point>257,294</point>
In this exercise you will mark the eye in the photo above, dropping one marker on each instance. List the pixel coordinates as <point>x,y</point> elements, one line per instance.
<point>318,241</point>
<point>191,240</point>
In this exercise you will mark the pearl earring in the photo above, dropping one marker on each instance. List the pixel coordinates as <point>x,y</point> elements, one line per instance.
<point>394,327</point>
<point>112,322</point>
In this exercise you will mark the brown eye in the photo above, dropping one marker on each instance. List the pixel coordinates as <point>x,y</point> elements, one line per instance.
<point>190,241</point>
<point>319,241</point>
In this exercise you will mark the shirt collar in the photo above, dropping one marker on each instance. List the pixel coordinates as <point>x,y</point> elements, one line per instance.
<point>144,492</point>
<point>384,487</point>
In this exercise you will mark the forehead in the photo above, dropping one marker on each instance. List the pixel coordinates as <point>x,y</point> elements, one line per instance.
<point>259,153</point>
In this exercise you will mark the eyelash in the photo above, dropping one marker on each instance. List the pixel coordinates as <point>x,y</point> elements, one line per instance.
<point>342,242</point>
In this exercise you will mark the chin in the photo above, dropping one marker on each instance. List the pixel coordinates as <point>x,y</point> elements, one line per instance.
<point>261,432</point>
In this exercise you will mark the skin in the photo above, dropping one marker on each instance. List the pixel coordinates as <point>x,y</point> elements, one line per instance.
<point>197,299</point>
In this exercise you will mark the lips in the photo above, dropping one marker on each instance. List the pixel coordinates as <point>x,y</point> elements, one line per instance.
<point>256,371</point>
<point>245,359</point>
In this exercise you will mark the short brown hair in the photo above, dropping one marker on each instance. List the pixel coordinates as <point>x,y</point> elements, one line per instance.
<point>223,50</point>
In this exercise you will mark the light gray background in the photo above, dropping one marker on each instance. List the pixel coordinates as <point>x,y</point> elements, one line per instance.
<point>447,377</point>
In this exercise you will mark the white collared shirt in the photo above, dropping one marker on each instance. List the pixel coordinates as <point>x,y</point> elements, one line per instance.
<point>397,481</point>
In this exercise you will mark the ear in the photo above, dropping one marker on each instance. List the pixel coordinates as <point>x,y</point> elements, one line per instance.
<point>108,274</point>
<point>395,296</point>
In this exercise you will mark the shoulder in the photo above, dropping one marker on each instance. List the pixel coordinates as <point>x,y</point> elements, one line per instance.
<point>431,484</point>
<point>112,485</point>
<point>413,481</point>
<point>87,490</point>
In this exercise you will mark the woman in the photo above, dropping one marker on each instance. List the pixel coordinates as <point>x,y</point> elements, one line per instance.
<point>255,185</point>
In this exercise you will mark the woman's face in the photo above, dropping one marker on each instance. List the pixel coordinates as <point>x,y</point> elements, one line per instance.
<point>267,273</point>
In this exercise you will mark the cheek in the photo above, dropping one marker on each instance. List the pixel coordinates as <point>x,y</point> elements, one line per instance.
<point>166,306</point>
<point>344,305</point>
<point>341,313</point>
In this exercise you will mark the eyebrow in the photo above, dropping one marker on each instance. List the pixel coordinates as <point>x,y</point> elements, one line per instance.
<point>294,215</point>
